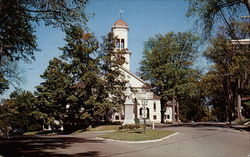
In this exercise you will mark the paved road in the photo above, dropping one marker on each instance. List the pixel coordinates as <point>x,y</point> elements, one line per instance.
<point>190,142</point>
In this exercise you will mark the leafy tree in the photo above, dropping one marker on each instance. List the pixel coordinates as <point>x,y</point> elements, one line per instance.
<point>85,83</point>
<point>20,113</point>
<point>211,12</point>
<point>72,88</point>
<point>231,62</point>
<point>215,95</point>
<point>7,116</point>
<point>80,52</point>
<point>18,20</point>
<point>167,64</point>
<point>53,93</point>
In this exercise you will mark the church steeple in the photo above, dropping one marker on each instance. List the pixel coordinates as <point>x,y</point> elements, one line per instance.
<point>120,30</point>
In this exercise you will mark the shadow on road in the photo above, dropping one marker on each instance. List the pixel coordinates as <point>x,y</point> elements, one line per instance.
<point>35,146</point>
<point>207,124</point>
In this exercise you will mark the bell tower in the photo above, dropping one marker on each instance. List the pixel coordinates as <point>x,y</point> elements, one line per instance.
<point>120,30</point>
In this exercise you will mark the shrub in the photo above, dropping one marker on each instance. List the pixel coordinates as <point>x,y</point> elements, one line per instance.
<point>129,127</point>
<point>137,121</point>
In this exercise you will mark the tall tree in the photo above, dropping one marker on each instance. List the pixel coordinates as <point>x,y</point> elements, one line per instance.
<point>167,64</point>
<point>114,82</point>
<point>231,62</point>
<point>18,20</point>
<point>53,93</point>
<point>81,52</point>
<point>73,86</point>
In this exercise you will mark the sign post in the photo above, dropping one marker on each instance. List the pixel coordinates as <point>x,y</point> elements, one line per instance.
<point>144,114</point>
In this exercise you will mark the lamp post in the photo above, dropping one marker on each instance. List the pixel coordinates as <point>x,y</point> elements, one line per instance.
<point>144,114</point>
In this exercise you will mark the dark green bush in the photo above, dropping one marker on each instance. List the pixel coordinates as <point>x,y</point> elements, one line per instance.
<point>137,121</point>
<point>129,127</point>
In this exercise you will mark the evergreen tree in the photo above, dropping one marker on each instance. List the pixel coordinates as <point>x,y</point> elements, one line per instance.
<point>81,53</point>
<point>73,85</point>
<point>53,93</point>
<point>113,79</point>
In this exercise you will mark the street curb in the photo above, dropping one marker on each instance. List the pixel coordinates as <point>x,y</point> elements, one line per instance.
<point>148,141</point>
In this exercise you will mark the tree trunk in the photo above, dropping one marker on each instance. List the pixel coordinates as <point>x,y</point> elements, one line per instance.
<point>173,110</point>
<point>229,100</point>
<point>177,111</point>
<point>239,115</point>
<point>163,109</point>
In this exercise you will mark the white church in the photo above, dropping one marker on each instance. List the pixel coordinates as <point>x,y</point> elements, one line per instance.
<point>139,91</point>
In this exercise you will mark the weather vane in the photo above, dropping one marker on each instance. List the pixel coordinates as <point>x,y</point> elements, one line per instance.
<point>120,12</point>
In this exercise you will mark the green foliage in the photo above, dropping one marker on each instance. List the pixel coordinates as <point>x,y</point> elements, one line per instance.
<point>211,12</point>
<point>71,89</point>
<point>113,78</point>
<point>130,127</point>
<point>85,83</point>
<point>17,33</point>
<point>167,64</point>
<point>53,93</point>
<point>20,113</point>
<point>230,73</point>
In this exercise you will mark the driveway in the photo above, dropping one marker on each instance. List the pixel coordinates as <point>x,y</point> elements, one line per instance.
<point>190,142</point>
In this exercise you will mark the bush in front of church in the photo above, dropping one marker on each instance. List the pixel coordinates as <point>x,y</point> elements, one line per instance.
<point>129,127</point>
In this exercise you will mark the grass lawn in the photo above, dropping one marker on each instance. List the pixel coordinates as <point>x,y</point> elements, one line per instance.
<point>38,133</point>
<point>133,135</point>
<point>104,127</point>
<point>98,128</point>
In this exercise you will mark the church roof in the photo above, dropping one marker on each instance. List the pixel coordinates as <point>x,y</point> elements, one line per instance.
<point>128,72</point>
<point>120,23</point>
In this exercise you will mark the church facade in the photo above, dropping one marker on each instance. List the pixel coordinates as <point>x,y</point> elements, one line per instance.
<point>141,94</point>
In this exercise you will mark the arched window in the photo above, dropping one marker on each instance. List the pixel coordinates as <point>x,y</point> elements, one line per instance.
<point>122,43</point>
<point>148,112</point>
<point>118,43</point>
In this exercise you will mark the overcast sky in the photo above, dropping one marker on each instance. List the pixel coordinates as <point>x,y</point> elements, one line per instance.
<point>145,19</point>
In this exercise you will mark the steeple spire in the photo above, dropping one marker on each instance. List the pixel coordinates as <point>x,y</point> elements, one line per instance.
<point>120,13</point>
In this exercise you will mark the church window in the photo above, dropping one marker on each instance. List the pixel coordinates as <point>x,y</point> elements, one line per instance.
<point>118,43</point>
<point>154,107</point>
<point>168,116</point>
<point>148,112</point>
<point>122,117</point>
<point>155,117</point>
<point>122,43</point>
<point>116,117</point>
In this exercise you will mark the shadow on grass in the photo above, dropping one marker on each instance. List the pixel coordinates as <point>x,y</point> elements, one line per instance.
<point>35,146</point>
